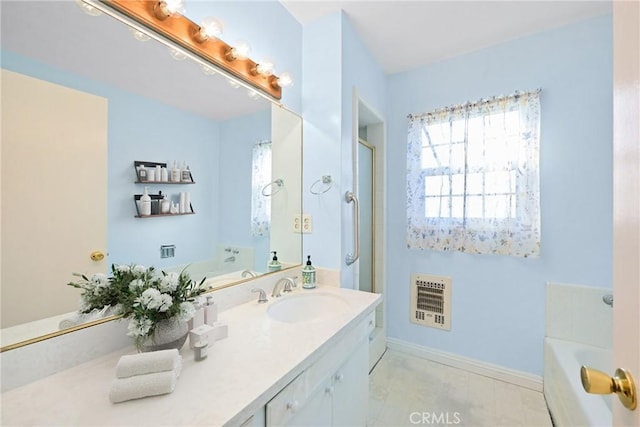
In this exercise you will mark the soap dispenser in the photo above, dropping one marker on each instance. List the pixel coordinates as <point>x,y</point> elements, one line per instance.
<point>309,275</point>
<point>274,264</point>
<point>145,203</point>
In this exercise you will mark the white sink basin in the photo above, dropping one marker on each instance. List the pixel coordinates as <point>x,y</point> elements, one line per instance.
<point>307,307</point>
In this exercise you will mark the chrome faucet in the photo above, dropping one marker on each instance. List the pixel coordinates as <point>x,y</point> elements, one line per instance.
<point>262,298</point>
<point>232,258</point>
<point>608,299</point>
<point>288,284</point>
<point>250,273</point>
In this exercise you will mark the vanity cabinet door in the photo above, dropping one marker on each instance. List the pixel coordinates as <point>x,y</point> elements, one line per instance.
<point>351,389</point>
<point>317,410</point>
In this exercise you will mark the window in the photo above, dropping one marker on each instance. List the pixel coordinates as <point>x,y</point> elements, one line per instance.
<point>260,178</point>
<point>473,177</point>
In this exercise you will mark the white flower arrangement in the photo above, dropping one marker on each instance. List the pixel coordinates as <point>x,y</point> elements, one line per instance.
<point>141,295</point>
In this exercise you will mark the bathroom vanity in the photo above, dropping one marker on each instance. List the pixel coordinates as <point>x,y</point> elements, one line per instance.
<point>301,359</point>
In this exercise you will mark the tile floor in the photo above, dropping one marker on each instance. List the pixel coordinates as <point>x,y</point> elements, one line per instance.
<point>407,391</point>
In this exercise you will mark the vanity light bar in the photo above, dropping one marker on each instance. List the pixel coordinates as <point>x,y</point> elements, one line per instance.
<point>183,32</point>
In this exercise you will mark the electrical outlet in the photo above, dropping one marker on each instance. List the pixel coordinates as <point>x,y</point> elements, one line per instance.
<point>302,224</point>
<point>297,223</point>
<point>307,224</point>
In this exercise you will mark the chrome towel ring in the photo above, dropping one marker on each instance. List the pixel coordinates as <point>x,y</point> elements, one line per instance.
<point>326,182</point>
<point>279,185</point>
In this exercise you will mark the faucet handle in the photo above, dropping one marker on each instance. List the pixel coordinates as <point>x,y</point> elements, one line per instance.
<point>262,298</point>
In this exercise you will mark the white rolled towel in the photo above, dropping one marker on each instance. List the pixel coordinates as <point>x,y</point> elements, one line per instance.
<point>147,363</point>
<point>136,387</point>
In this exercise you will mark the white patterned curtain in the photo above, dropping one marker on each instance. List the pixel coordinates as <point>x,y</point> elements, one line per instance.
<point>260,177</point>
<point>473,177</point>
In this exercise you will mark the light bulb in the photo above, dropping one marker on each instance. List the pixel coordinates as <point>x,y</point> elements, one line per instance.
<point>240,51</point>
<point>166,8</point>
<point>211,27</point>
<point>265,68</point>
<point>253,94</point>
<point>284,80</point>
<point>175,7</point>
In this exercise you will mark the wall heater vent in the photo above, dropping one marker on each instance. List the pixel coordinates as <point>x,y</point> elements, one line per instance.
<point>431,301</point>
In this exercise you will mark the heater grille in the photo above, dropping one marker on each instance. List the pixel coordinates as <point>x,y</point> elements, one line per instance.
<point>431,301</point>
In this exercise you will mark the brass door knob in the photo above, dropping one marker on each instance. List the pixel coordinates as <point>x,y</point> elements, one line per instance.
<point>622,384</point>
<point>97,256</point>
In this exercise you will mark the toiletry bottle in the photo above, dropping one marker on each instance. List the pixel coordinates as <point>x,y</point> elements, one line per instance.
<point>155,204</point>
<point>142,173</point>
<point>309,275</point>
<point>198,317</point>
<point>183,208</point>
<point>164,174</point>
<point>175,173</point>
<point>186,173</point>
<point>145,203</point>
<point>165,205</point>
<point>187,202</point>
<point>274,264</point>
<point>158,173</point>
<point>210,311</point>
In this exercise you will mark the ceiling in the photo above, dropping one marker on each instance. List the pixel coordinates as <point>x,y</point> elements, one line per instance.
<point>403,35</point>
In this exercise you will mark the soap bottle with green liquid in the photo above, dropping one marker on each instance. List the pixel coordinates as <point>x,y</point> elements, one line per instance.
<point>274,264</point>
<point>309,275</point>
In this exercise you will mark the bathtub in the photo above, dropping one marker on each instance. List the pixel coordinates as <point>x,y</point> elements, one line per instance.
<point>568,403</point>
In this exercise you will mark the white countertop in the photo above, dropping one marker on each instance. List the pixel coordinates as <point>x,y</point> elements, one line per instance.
<point>240,375</point>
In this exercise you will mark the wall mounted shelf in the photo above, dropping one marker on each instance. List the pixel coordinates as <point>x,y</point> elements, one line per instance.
<point>157,180</point>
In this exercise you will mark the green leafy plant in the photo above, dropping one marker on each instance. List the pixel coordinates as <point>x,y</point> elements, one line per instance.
<point>142,295</point>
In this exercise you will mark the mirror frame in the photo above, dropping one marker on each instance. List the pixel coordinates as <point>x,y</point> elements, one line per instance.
<point>177,32</point>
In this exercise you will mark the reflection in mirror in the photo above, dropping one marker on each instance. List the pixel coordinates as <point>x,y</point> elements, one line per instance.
<point>82,100</point>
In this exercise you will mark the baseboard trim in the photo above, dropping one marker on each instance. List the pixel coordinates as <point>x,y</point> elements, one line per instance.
<point>519,378</point>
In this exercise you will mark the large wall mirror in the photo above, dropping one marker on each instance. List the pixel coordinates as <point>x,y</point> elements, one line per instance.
<point>83,98</point>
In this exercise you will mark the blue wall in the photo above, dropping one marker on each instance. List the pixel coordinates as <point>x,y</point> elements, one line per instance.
<point>322,68</point>
<point>337,63</point>
<point>498,302</point>
<point>269,29</point>
<point>237,137</point>
<point>143,129</point>
<point>363,75</point>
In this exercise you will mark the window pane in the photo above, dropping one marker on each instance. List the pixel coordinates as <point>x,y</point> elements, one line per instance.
<point>435,156</point>
<point>474,207</point>
<point>457,206</point>
<point>439,133</point>
<point>436,185</point>
<point>457,156</point>
<point>475,153</point>
<point>497,153</point>
<point>474,183</point>
<point>500,182</point>
<point>457,134</point>
<point>457,184</point>
<point>494,125</point>
<point>436,207</point>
